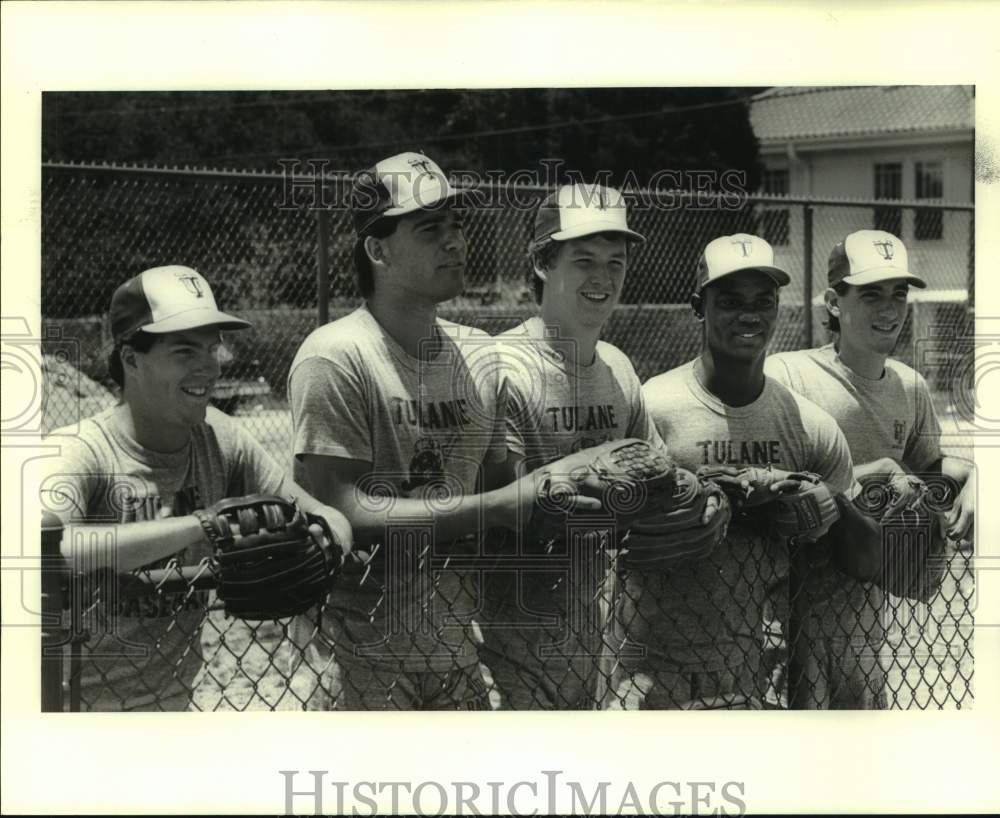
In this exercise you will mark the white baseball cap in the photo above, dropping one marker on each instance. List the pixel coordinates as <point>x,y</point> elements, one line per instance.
<point>574,211</point>
<point>167,299</point>
<point>867,256</point>
<point>731,254</point>
<point>396,186</point>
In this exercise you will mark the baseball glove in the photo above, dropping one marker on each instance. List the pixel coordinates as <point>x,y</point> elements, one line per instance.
<point>657,509</point>
<point>798,503</point>
<point>629,477</point>
<point>914,558</point>
<point>271,565</point>
<point>670,533</point>
<point>914,546</point>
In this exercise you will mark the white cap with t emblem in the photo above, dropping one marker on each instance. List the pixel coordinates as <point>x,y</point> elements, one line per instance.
<point>730,254</point>
<point>167,299</point>
<point>867,256</point>
<point>575,211</point>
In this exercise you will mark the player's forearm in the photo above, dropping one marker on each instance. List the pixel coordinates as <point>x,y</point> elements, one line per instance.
<point>957,468</point>
<point>881,466</point>
<point>857,542</point>
<point>125,547</point>
<point>451,519</point>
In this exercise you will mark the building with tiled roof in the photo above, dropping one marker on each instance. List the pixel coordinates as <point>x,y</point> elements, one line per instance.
<point>888,142</point>
<point>841,116</point>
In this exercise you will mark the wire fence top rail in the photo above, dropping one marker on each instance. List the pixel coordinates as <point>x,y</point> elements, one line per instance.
<point>343,178</point>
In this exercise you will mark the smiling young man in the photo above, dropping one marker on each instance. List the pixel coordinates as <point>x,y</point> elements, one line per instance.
<point>885,411</point>
<point>397,421</point>
<point>148,463</point>
<point>693,634</point>
<point>565,390</point>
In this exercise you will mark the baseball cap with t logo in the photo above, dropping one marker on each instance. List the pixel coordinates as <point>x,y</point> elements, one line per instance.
<point>401,184</point>
<point>868,256</point>
<point>574,211</point>
<point>396,186</point>
<point>731,254</point>
<point>167,299</point>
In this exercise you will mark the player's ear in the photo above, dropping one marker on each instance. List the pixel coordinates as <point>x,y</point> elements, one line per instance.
<point>832,301</point>
<point>698,305</point>
<point>374,249</point>
<point>127,354</point>
<point>539,270</point>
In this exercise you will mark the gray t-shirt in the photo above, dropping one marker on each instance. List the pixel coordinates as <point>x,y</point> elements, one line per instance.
<point>151,659</point>
<point>892,416</point>
<point>704,606</point>
<point>427,427</point>
<point>554,408</point>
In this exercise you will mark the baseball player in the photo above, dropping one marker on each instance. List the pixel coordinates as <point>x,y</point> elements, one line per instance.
<point>397,421</point>
<point>565,390</point>
<point>141,469</point>
<point>885,411</point>
<point>691,636</point>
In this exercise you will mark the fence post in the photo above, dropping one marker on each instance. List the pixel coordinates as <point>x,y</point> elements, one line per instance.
<point>323,266</point>
<point>970,277</point>
<point>796,640</point>
<point>54,636</point>
<point>807,272</point>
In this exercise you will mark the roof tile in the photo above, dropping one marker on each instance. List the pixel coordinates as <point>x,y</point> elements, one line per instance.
<point>819,111</point>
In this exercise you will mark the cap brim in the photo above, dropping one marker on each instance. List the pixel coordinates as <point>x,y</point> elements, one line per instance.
<point>193,319</point>
<point>779,276</point>
<point>883,274</point>
<point>415,204</point>
<point>591,229</point>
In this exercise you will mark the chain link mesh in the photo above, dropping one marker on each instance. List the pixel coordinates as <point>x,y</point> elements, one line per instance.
<point>161,642</point>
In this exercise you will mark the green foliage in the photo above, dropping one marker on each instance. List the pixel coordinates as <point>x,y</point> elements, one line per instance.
<point>642,130</point>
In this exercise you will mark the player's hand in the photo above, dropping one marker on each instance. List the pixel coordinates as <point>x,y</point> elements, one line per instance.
<point>960,520</point>
<point>753,486</point>
<point>340,527</point>
<point>906,494</point>
<point>541,490</point>
<point>712,507</point>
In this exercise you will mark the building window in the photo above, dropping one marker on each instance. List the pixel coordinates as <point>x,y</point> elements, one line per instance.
<point>929,184</point>
<point>774,220</point>
<point>889,185</point>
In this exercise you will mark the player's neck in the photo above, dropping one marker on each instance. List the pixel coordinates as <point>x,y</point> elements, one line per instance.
<point>734,381</point>
<point>410,324</point>
<point>149,431</point>
<point>865,362</point>
<point>578,344</point>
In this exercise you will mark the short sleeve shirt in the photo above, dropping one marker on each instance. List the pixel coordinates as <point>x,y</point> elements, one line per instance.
<point>555,407</point>
<point>426,425</point>
<point>892,416</point>
<point>103,475</point>
<point>706,604</point>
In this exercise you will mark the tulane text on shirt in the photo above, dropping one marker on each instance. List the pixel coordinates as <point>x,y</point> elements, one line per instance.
<point>581,418</point>
<point>756,452</point>
<point>442,414</point>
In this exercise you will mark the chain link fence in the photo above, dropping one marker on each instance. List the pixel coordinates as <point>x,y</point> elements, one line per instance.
<point>277,251</point>
<point>561,625</point>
